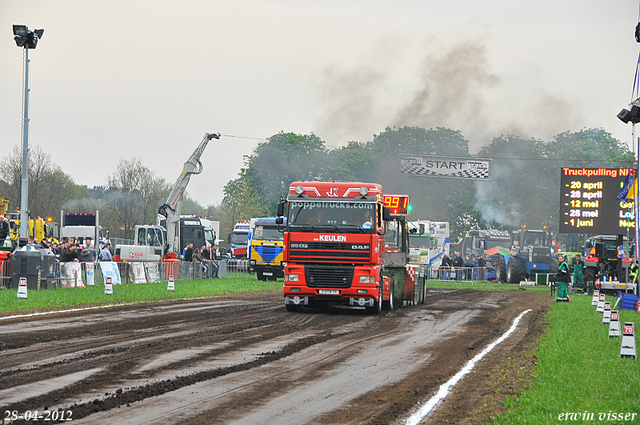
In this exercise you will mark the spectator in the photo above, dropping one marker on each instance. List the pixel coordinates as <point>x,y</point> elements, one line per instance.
<point>215,267</point>
<point>578,266</point>
<point>88,254</point>
<point>70,254</point>
<point>105,253</point>
<point>445,267</point>
<point>481,266</point>
<point>563,277</point>
<point>44,244</point>
<point>188,252</point>
<point>5,229</point>
<point>458,265</point>
<point>198,260</point>
<point>55,250</point>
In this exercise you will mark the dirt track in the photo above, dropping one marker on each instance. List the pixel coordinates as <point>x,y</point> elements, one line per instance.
<point>246,360</point>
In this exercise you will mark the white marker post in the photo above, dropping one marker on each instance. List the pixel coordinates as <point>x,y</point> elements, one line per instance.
<point>606,315</point>
<point>614,324</point>
<point>22,288</point>
<point>600,307</point>
<point>108,287</point>
<point>628,342</point>
<point>171,286</point>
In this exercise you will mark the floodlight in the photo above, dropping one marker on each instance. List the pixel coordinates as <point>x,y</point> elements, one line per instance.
<point>20,30</point>
<point>25,38</point>
<point>632,115</point>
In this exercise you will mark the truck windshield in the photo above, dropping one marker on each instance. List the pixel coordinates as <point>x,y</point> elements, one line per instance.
<point>422,241</point>
<point>533,238</point>
<point>325,216</point>
<point>268,233</point>
<point>240,238</point>
<point>210,236</point>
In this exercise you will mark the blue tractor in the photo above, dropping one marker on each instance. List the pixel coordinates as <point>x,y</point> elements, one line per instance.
<point>533,253</point>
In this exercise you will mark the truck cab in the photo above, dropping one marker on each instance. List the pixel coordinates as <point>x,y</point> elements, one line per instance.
<point>149,245</point>
<point>334,245</point>
<point>266,248</point>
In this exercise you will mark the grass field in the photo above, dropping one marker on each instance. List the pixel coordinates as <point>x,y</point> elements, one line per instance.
<point>580,376</point>
<point>62,298</point>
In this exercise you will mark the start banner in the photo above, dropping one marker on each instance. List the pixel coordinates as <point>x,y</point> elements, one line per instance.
<point>447,167</point>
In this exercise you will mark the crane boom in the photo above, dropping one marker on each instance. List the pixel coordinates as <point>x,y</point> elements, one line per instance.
<point>172,206</point>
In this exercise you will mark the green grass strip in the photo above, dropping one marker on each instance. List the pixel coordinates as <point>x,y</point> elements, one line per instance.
<point>579,372</point>
<point>485,286</point>
<point>63,298</point>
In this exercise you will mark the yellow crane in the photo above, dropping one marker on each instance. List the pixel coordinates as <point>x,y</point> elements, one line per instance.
<point>4,204</point>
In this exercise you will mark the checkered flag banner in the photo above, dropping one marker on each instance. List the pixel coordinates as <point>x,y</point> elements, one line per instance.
<point>452,168</point>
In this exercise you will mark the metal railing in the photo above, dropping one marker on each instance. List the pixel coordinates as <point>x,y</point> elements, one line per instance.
<point>459,274</point>
<point>79,274</point>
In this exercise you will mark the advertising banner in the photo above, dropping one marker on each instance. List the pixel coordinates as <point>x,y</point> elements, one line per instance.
<point>447,167</point>
<point>110,269</point>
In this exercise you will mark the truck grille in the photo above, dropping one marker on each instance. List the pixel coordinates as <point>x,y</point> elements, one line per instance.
<point>330,252</point>
<point>328,276</point>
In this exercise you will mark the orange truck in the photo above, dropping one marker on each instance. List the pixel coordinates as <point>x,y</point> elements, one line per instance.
<point>346,243</point>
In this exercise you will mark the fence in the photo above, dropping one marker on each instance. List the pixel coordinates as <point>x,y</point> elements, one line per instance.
<point>459,274</point>
<point>78,274</point>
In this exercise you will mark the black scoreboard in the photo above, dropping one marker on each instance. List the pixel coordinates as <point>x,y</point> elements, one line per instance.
<point>589,204</point>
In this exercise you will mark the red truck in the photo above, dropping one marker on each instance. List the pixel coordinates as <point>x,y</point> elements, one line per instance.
<point>335,250</point>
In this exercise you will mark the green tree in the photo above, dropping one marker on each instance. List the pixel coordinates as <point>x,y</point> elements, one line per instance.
<point>285,158</point>
<point>49,187</point>
<point>133,194</point>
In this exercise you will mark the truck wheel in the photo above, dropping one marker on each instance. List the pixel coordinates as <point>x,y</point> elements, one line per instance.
<point>377,304</point>
<point>589,276</point>
<point>516,269</point>
<point>500,269</point>
<point>260,276</point>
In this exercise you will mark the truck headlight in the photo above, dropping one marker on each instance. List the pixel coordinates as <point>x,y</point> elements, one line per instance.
<point>367,279</point>
<point>292,277</point>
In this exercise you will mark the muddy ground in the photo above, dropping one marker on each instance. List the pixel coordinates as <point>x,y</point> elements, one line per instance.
<point>245,359</point>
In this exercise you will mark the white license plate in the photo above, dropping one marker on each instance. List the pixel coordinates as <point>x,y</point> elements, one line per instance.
<point>267,273</point>
<point>328,292</point>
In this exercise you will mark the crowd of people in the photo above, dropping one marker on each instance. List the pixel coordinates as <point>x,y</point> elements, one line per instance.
<point>454,267</point>
<point>205,257</point>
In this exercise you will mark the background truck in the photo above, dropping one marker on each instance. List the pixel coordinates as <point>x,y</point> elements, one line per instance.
<point>150,241</point>
<point>533,253</point>
<point>82,226</point>
<point>266,248</point>
<point>337,252</point>
<point>428,242</point>
<point>239,239</point>
<point>603,264</point>
<point>477,242</point>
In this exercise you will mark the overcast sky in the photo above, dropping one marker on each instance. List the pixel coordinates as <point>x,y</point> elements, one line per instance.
<point>147,79</point>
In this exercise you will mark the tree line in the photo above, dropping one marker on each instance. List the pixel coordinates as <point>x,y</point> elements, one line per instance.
<point>524,186</point>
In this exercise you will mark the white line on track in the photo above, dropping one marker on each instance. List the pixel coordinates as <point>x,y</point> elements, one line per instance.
<point>445,388</point>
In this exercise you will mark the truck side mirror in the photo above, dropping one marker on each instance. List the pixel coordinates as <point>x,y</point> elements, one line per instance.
<point>421,228</point>
<point>386,214</point>
<point>229,238</point>
<point>279,220</point>
<point>280,209</point>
